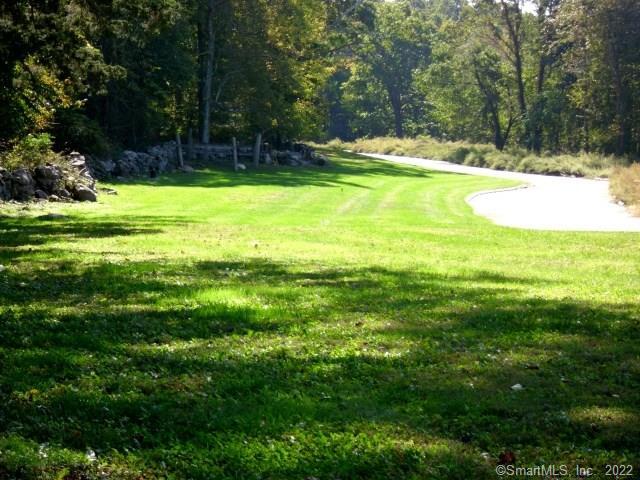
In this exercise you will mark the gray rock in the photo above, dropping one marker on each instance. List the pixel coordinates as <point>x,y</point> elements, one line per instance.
<point>108,165</point>
<point>77,160</point>
<point>48,177</point>
<point>187,169</point>
<point>85,194</point>
<point>5,191</point>
<point>157,160</point>
<point>87,180</point>
<point>128,164</point>
<point>63,193</point>
<point>79,163</point>
<point>54,198</point>
<point>319,159</point>
<point>22,185</point>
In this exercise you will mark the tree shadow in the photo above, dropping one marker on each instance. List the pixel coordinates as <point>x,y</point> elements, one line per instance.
<point>21,230</point>
<point>341,372</point>
<point>334,175</point>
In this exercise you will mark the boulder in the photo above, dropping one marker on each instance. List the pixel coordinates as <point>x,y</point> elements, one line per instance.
<point>108,165</point>
<point>293,159</point>
<point>85,194</point>
<point>77,160</point>
<point>63,193</point>
<point>319,159</point>
<point>101,169</point>
<point>157,160</point>
<point>87,180</point>
<point>128,164</point>
<point>41,195</point>
<point>22,185</point>
<point>48,177</point>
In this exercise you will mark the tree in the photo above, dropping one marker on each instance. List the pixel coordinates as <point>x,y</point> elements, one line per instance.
<point>46,60</point>
<point>394,44</point>
<point>603,56</point>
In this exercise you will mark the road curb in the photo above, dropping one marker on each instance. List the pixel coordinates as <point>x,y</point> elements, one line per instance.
<point>471,196</point>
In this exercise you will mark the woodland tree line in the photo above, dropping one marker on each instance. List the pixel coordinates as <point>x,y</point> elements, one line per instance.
<point>559,75</point>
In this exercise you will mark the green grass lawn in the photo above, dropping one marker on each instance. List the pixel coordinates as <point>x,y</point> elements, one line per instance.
<point>356,321</point>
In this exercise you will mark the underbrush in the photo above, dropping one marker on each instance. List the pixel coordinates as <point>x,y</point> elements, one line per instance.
<point>485,155</point>
<point>31,152</point>
<point>625,186</point>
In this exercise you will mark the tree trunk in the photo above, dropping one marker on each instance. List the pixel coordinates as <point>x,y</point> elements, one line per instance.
<point>622,114</point>
<point>190,145</point>
<point>208,76</point>
<point>396,105</point>
<point>514,26</point>
<point>179,144</point>
<point>498,139</point>
<point>537,127</point>
<point>256,149</point>
<point>235,154</point>
<point>521,95</point>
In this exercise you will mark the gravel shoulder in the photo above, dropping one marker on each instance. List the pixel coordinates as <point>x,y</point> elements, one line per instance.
<point>542,202</point>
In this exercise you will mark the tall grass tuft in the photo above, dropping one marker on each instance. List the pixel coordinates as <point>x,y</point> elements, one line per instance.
<point>486,155</point>
<point>625,186</point>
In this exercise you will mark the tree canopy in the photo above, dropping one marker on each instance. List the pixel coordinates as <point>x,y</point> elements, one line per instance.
<point>561,76</point>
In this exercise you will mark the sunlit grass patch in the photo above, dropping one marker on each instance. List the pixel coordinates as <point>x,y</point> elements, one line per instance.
<point>250,325</point>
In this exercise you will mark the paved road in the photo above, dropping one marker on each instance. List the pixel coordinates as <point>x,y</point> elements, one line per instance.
<point>543,203</point>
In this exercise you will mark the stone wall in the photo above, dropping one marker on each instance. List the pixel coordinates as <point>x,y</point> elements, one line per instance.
<point>163,158</point>
<point>69,181</point>
<point>156,160</point>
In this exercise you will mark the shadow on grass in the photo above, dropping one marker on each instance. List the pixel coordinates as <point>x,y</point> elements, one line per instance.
<point>302,371</point>
<point>334,175</point>
<point>22,231</point>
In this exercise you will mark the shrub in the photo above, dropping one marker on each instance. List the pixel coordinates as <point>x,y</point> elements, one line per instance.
<point>625,186</point>
<point>30,152</point>
<point>459,155</point>
<point>474,159</point>
<point>79,133</point>
<point>484,155</point>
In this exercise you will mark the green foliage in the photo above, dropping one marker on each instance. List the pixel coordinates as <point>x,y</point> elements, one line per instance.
<point>563,78</point>
<point>356,322</point>
<point>106,75</point>
<point>30,152</point>
<point>380,90</point>
<point>73,130</point>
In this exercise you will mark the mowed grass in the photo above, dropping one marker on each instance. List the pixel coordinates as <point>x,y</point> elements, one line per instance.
<point>356,321</point>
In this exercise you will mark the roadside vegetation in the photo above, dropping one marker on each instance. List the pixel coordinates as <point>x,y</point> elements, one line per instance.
<point>30,152</point>
<point>486,155</point>
<point>354,321</point>
<point>625,186</point>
